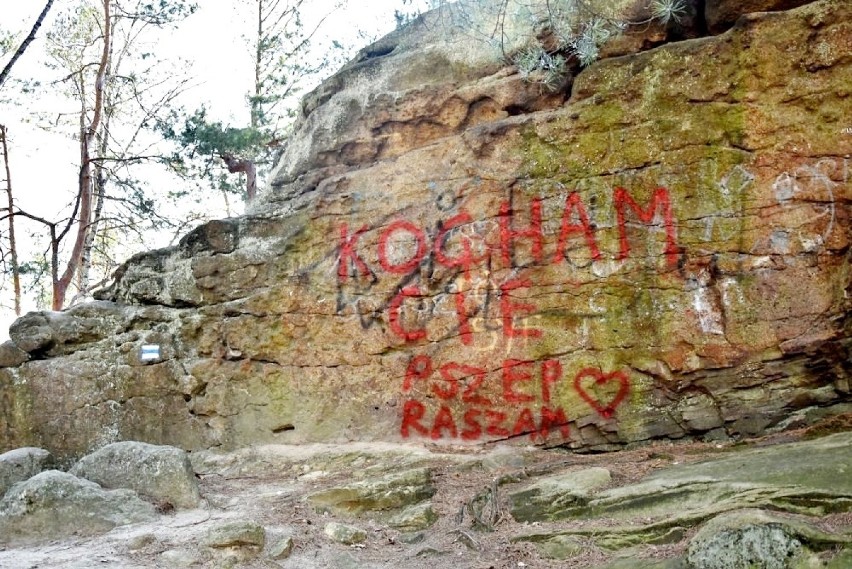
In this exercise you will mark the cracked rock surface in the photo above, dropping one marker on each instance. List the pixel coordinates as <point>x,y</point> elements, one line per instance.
<point>660,250</point>
<point>664,506</point>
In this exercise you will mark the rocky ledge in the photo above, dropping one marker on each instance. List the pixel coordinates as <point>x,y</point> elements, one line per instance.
<point>776,503</point>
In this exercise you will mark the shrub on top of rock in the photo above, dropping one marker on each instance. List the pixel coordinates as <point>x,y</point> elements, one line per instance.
<point>162,473</point>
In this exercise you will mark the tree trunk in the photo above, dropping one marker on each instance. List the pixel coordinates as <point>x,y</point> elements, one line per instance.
<point>13,248</point>
<point>255,102</point>
<point>84,194</point>
<point>22,48</point>
<point>99,193</point>
<point>247,167</point>
<point>84,273</point>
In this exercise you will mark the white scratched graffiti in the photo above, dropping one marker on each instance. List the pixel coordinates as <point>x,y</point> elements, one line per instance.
<point>706,304</point>
<point>812,185</point>
<point>735,181</point>
<point>731,187</point>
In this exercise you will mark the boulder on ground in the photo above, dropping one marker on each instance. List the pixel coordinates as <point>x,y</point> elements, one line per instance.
<point>414,518</point>
<point>392,492</point>
<point>236,534</point>
<point>756,538</point>
<point>55,504</point>
<point>347,535</point>
<point>21,464</point>
<point>281,548</point>
<point>162,473</point>
<point>753,545</point>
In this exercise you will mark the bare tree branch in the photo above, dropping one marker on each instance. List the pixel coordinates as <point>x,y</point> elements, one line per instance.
<point>29,39</point>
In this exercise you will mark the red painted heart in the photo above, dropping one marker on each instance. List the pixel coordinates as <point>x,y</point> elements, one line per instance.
<point>601,378</point>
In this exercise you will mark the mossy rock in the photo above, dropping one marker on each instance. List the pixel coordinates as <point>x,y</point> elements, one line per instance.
<point>388,493</point>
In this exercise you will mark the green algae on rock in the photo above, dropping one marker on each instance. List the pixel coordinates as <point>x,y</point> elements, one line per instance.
<point>446,254</point>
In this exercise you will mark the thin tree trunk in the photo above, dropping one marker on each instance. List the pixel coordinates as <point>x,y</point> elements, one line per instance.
<point>84,274</point>
<point>13,248</point>
<point>255,103</point>
<point>22,48</point>
<point>99,192</point>
<point>245,166</point>
<point>82,204</point>
<point>87,138</point>
<point>227,202</point>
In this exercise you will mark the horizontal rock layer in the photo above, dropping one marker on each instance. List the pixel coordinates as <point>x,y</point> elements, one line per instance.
<point>450,253</point>
<point>769,503</point>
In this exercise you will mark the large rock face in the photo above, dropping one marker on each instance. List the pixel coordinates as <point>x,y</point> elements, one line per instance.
<point>449,253</point>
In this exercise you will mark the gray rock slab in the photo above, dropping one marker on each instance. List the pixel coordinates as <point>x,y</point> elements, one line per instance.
<point>55,504</point>
<point>345,534</point>
<point>808,477</point>
<point>820,464</point>
<point>755,538</point>
<point>162,473</point>
<point>549,497</point>
<point>391,492</point>
<point>779,476</point>
<point>241,533</point>
<point>21,464</point>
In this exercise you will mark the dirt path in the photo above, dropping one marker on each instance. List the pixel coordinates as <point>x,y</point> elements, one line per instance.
<point>269,484</point>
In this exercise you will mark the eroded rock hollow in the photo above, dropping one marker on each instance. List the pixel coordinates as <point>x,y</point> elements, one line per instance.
<point>447,252</point>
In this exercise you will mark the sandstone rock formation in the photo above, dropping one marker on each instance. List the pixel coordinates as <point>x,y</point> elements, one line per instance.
<point>663,506</point>
<point>390,493</point>
<point>449,253</point>
<point>236,534</point>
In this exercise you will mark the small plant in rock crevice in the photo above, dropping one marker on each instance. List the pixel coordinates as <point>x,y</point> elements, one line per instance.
<point>536,64</point>
<point>668,10</point>
<point>549,38</point>
<point>579,37</point>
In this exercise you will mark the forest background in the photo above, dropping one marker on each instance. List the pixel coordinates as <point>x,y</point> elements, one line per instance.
<point>148,117</point>
<point>125,123</point>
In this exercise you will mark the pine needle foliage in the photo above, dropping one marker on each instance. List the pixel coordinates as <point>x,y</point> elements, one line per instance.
<point>557,36</point>
<point>668,10</point>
